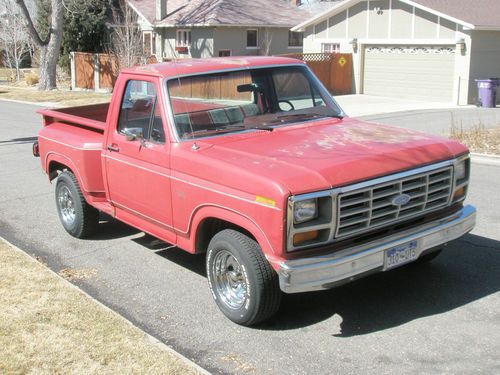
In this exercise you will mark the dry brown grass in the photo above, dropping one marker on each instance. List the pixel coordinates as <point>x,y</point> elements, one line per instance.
<point>61,98</point>
<point>47,326</point>
<point>478,138</point>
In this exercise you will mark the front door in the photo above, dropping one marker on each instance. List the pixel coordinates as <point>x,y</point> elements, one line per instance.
<point>137,161</point>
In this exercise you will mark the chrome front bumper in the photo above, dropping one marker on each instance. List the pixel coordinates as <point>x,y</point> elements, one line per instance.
<point>325,272</point>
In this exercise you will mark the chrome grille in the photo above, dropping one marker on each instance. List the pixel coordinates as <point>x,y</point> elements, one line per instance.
<point>372,207</point>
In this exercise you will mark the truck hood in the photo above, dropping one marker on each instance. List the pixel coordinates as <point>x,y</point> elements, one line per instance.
<point>328,153</point>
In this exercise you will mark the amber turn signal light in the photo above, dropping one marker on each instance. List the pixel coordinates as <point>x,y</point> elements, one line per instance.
<point>300,238</point>
<point>459,193</point>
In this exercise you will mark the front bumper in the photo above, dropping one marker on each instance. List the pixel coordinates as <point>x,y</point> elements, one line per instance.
<point>328,271</point>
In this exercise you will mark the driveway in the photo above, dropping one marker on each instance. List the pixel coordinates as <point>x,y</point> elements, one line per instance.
<point>430,117</point>
<point>441,318</point>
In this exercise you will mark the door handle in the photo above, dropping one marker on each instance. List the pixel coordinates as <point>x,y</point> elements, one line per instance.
<point>112,148</point>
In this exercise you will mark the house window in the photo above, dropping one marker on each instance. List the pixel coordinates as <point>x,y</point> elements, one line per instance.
<point>330,47</point>
<point>252,36</point>
<point>183,38</point>
<point>148,43</point>
<point>295,39</point>
<point>224,52</point>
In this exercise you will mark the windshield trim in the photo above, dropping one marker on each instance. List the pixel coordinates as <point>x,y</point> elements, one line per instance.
<point>170,111</point>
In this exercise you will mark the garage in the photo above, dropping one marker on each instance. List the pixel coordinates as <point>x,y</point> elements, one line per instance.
<point>410,72</point>
<point>431,50</point>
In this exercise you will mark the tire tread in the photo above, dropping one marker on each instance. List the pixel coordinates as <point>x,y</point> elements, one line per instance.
<point>267,279</point>
<point>90,215</point>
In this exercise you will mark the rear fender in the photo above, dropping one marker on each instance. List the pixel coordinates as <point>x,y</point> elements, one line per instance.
<point>53,157</point>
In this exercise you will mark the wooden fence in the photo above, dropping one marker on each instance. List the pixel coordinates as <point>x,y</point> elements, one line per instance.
<point>334,70</point>
<point>93,71</point>
<point>96,71</point>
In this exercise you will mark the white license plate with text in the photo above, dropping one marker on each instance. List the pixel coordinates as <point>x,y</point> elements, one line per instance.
<point>400,255</point>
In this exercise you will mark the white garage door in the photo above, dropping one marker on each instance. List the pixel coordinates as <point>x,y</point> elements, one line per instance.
<point>410,72</point>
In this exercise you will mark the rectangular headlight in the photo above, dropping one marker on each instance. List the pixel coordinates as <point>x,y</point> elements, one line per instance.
<point>460,170</point>
<point>305,210</point>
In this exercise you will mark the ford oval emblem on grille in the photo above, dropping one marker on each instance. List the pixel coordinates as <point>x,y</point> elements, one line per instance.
<point>400,200</point>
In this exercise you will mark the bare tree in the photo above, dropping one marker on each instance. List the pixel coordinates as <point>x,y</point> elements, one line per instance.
<point>50,46</point>
<point>126,37</point>
<point>13,39</point>
<point>265,45</point>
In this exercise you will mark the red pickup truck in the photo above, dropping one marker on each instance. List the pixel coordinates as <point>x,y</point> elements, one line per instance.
<point>252,162</point>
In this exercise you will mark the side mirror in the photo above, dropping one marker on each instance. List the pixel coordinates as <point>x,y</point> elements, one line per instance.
<point>131,134</point>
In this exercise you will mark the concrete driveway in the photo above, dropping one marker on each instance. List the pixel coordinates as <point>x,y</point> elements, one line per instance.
<point>365,105</point>
<point>430,117</point>
<point>441,318</point>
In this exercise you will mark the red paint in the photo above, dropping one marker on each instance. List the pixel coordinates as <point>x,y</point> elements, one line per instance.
<point>169,189</point>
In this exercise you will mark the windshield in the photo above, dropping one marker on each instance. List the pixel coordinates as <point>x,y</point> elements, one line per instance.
<point>250,99</point>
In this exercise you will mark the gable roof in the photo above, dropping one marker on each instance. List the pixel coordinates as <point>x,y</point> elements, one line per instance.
<point>473,14</point>
<point>482,14</point>
<point>276,13</point>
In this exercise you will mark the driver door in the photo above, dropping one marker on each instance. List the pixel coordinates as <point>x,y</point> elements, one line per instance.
<point>138,162</point>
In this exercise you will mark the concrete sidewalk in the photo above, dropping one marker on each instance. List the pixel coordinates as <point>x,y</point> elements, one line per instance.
<point>429,117</point>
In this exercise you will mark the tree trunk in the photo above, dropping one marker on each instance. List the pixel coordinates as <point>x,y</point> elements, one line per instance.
<point>49,53</point>
<point>49,48</point>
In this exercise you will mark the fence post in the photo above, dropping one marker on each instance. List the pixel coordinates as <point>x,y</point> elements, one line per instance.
<point>73,70</point>
<point>96,72</point>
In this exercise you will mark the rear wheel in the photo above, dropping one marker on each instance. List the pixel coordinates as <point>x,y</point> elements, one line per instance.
<point>78,217</point>
<point>241,280</point>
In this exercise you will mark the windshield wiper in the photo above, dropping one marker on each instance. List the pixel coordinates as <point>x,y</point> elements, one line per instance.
<point>302,116</point>
<point>229,129</point>
<point>266,128</point>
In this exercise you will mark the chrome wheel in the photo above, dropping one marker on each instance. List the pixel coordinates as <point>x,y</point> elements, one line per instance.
<point>229,280</point>
<point>66,205</point>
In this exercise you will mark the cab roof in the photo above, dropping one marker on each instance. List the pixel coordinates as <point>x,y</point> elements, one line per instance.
<point>194,66</point>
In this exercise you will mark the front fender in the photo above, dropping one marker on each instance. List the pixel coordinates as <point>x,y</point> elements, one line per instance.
<point>227,214</point>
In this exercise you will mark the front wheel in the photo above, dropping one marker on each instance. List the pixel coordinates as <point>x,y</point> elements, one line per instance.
<point>241,280</point>
<point>78,217</point>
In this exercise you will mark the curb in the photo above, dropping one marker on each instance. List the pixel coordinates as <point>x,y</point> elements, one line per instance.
<point>485,159</point>
<point>38,104</point>
<point>151,339</point>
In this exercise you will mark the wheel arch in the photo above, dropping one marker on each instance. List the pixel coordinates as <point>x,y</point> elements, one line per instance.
<point>57,163</point>
<point>209,220</point>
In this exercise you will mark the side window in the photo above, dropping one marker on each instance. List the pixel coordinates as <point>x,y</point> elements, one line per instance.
<point>140,112</point>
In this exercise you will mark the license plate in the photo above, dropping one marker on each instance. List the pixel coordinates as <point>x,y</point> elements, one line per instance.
<point>400,255</point>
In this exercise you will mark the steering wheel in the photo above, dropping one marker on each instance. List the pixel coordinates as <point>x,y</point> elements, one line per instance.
<point>292,108</point>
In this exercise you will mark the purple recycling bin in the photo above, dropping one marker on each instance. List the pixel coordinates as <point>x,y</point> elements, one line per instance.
<point>487,90</point>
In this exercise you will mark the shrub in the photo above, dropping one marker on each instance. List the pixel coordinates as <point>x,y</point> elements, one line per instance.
<point>31,79</point>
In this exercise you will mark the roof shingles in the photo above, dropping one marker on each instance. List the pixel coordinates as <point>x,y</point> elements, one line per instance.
<point>480,13</point>
<point>223,12</point>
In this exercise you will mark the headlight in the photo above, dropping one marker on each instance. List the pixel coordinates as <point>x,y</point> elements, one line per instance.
<point>305,210</point>
<point>460,170</point>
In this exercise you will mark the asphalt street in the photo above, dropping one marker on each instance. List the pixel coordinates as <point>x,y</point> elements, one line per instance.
<point>443,317</point>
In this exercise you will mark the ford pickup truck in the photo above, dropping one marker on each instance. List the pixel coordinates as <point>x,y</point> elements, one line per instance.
<point>251,161</point>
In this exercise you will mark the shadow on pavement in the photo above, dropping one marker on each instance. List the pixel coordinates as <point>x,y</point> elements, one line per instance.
<point>18,141</point>
<point>110,229</point>
<point>192,262</point>
<point>467,270</point>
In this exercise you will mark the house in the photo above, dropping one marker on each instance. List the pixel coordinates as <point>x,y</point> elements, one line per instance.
<point>416,49</point>
<point>207,28</point>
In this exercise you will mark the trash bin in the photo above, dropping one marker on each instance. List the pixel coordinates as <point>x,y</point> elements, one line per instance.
<point>487,92</point>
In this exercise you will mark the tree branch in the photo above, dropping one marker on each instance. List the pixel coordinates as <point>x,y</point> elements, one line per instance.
<point>30,26</point>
